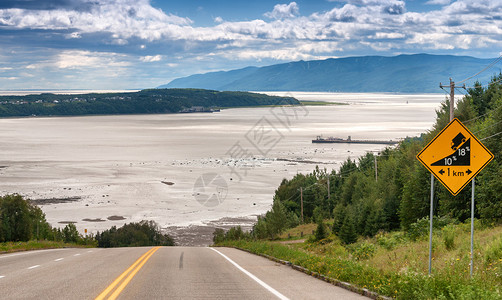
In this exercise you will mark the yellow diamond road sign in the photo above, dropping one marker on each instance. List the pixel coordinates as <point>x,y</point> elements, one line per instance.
<point>455,156</point>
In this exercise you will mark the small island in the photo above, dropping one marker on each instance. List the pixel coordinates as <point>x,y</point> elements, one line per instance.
<point>150,101</point>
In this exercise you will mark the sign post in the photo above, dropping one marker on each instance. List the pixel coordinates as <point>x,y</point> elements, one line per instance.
<point>455,156</point>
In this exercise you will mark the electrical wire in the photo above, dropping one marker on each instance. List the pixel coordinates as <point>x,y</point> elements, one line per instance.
<point>485,85</point>
<point>491,136</point>
<point>481,130</point>
<point>473,119</point>
<point>486,68</point>
<point>460,91</point>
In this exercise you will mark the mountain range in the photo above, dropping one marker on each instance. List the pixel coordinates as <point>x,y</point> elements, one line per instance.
<point>416,73</point>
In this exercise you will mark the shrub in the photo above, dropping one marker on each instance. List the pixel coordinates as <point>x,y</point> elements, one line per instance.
<point>419,229</point>
<point>448,232</point>
<point>362,251</point>
<point>390,240</point>
<point>493,251</point>
<point>218,235</point>
<point>144,233</point>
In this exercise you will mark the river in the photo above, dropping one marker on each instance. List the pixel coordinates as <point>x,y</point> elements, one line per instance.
<point>191,169</point>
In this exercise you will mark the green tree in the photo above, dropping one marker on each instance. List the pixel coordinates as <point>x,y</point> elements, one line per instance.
<point>260,228</point>
<point>144,233</point>
<point>348,233</point>
<point>416,196</point>
<point>276,219</point>
<point>321,231</point>
<point>218,235</point>
<point>339,213</point>
<point>15,217</point>
<point>70,234</point>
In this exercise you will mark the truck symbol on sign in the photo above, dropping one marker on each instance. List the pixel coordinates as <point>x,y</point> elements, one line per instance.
<point>457,141</point>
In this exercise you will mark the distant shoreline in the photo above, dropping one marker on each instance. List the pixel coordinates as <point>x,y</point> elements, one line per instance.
<point>78,91</point>
<point>152,101</point>
<point>60,92</point>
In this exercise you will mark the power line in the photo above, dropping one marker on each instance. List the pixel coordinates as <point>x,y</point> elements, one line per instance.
<point>460,91</point>
<point>473,119</point>
<point>486,68</point>
<point>481,130</point>
<point>485,85</point>
<point>491,136</point>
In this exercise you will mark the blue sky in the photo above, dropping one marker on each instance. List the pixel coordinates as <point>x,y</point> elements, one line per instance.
<point>129,44</point>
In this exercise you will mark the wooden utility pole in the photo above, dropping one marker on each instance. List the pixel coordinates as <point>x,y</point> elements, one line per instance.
<point>301,203</point>
<point>452,97</point>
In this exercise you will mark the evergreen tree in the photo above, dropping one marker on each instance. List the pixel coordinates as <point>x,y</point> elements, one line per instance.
<point>276,219</point>
<point>348,233</point>
<point>321,231</point>
<point>339,217</point>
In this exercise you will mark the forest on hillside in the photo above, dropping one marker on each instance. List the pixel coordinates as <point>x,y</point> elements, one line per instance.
<point>362,204</point>
<point>152,101</point>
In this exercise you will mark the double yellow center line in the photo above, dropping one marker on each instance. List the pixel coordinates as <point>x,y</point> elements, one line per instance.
<point>130,273</point>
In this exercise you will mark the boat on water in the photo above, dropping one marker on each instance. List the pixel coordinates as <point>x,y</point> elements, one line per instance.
<point>334,140</point>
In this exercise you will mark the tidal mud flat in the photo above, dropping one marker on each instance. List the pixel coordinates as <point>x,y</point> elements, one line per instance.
<point>87,169</point>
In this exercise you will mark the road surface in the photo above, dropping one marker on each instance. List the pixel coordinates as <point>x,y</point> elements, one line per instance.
<point>155,273</point>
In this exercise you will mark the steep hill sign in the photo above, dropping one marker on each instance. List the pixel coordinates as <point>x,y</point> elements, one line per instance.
<point>455,156</point>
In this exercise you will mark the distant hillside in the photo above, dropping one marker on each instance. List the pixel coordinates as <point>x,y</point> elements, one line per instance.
<point>153,101</point>
<point>418,73</point>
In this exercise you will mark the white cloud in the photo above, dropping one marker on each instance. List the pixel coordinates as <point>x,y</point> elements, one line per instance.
<point>438,2</point>
<point>352,28</point>
<point>283,11</point>
<point>123,18</point>
<point>78,59</point>
<point>151,58</point>
<point>389,35</point>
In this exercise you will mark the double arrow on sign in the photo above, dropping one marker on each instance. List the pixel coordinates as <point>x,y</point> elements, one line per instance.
<point>443,171</point>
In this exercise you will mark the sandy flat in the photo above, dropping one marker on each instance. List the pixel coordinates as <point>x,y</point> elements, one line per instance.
<point>190,169</point>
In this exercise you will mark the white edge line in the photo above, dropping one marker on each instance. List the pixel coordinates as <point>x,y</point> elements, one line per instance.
<point>30,252</point>
<point>263,284</point>
<point>33,267</point>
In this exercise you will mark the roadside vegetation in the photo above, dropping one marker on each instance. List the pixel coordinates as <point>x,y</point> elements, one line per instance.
<point>395,264</point>
<point>23,227</point>
<point>371,229</point>
<point>144,233</point>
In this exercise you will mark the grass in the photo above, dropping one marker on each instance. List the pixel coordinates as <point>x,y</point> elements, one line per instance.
<point>296,233</point>
<point>393,265</point>
<point>9,247</point>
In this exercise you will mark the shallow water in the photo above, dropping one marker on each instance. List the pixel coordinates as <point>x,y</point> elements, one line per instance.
<point>158,167</point>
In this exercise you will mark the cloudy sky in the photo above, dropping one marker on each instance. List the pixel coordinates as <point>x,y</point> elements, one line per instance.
<point>130,44</point>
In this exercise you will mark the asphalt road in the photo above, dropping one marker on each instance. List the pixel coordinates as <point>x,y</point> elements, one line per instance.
<point>156,273</point>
